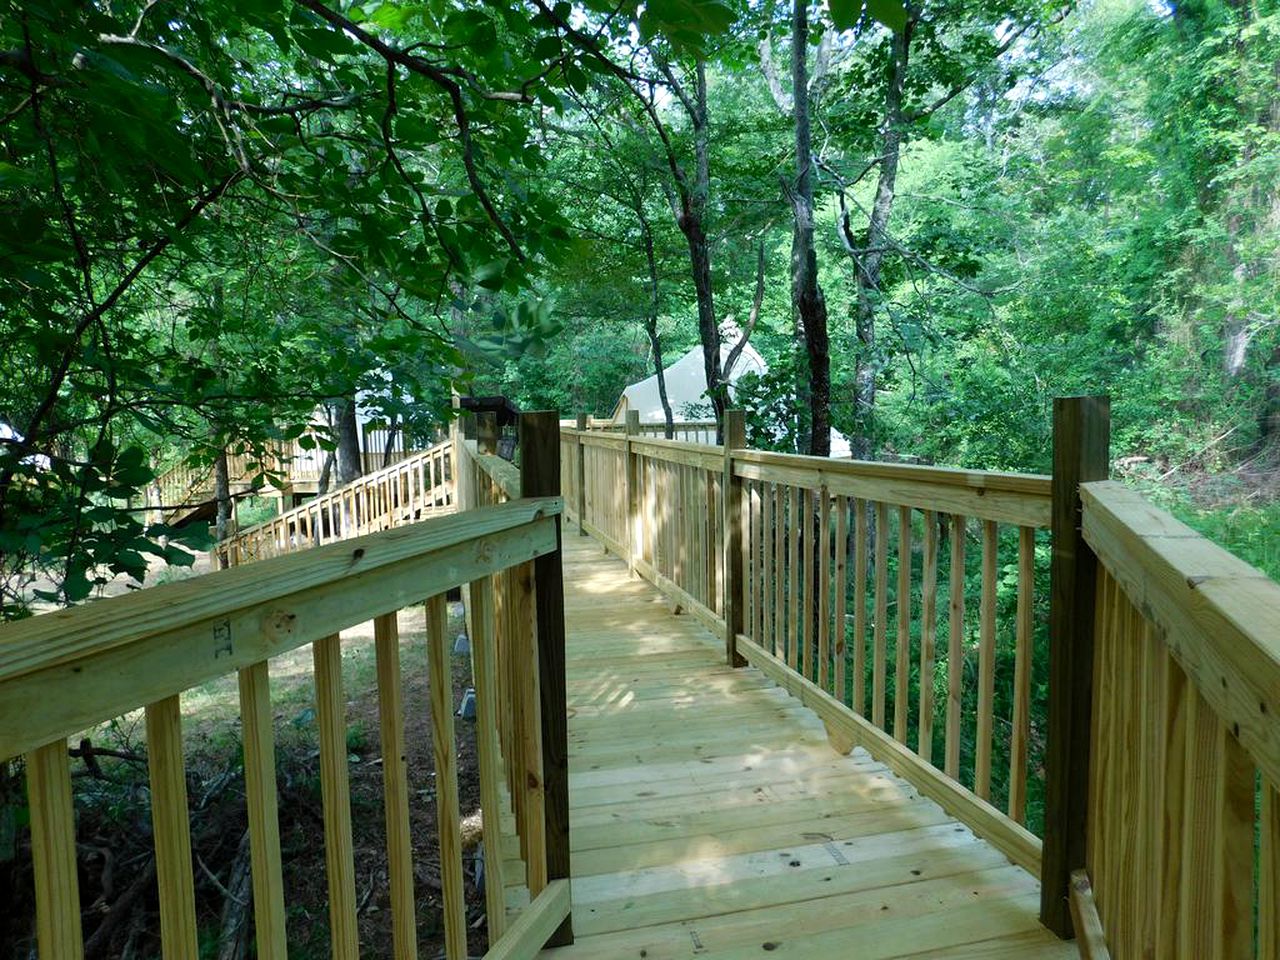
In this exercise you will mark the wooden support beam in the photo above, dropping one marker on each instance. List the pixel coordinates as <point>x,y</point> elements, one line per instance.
<point>1081,438</point>
<point>540,477</point>
<point>735,437</point>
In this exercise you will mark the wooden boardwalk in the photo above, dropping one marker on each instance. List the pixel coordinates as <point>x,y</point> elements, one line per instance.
<point>711,819</point>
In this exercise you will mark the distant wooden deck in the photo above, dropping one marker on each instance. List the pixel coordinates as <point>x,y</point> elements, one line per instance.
<point>711,819</point>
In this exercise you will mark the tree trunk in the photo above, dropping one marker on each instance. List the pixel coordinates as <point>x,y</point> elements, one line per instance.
<point>349,463</point>
<point>806,294</point>
<point>393,428</point>
<point>222,496</point>
<point>651,320</point>
<point>326,474</point>
<point>691,220</point>
<point>233,936</point>
<point>870,259</point>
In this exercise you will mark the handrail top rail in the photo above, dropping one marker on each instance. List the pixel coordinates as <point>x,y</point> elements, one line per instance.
<point>597,438</point>
<point>662,443</point>
<point>1219,615</point>
<point>1028,484</point>
<point>61,636</point>
<point>358,483</point>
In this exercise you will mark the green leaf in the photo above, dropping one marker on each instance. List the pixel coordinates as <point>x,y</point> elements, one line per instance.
<point>892,13</point>
<point>845,13</point>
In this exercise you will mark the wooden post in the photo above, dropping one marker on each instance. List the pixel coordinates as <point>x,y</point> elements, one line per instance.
<point>580,475</point>
<point>540,477</point>
<point>1081,438</point>
<point>630,486</point>
<point>735,437</point>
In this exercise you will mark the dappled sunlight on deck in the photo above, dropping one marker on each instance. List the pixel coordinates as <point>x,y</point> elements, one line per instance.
<point>710,817</point>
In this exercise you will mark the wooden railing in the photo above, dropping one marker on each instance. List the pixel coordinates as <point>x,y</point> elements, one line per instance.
<point>1181,839</point>
<point>533,775</point>
<point>691,431</point>
<point>416,488</point>
<point>64,672</point>
<point>809,569</point>
<point>184,486</point>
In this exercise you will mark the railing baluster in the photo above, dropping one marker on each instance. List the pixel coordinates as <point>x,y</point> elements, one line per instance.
<point>488,760</point>
<point>928,634</point>
<point>955,648</point>
<point>171,828</point>
<point>331,721</point>
<point>824,589</point>
<point>444,746</point>
<point>528,728</point>
<point>263,812</point>
<point>808,580</point>
<point>755,543</point>
<point>880,652</point>
<point>1269,874</point>
<point>986,663</point>
<point>780,566</point>
<point>860,607</point>
<point>1198,923</point>
<point>902,669</point>
<point>53,852</point>
<point>1022,658</point>
<point>793,580</point>
<point>395,787</point>
<point>767,639</point>
<point>841,587</point>
<point>1235,849</point>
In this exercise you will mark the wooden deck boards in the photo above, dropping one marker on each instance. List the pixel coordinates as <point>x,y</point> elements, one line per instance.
<point>710,818</point>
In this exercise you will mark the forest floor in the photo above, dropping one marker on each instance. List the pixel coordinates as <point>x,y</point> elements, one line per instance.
<point>113,825</point>
<point>1238,509</point>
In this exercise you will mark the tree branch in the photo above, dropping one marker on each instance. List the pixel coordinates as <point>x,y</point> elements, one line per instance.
<point>732,360</point>
<point>441,78</point>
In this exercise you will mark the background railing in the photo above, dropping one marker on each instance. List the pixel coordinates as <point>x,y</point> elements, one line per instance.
<point>413,489</point>
<point>184,486</point>
<point>840,579</point>
<point>64,672</point>
<point>691,431</point>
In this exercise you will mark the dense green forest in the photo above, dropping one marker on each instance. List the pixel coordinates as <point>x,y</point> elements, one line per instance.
<point>930,218</point>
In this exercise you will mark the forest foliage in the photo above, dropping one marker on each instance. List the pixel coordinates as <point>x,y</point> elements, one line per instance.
<point>932,218</point>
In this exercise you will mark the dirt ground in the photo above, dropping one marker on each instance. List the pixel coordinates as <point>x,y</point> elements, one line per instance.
<point>113,821</point>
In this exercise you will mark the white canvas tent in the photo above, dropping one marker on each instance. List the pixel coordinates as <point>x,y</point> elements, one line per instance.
<point>687,383</point>
<point>687,387</point>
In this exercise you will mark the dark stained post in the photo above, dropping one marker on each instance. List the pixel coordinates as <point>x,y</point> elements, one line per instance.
<point>735,438</point>
<point>1081,439</point>
<point>540,477</point>
<point>631,485</point>
<point>580,465</point>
